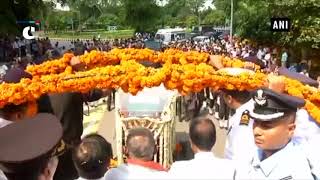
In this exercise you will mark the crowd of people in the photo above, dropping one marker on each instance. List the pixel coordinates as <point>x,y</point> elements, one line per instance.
<point>267,57</point>
<point>269,136</point>
<point>19,50</point>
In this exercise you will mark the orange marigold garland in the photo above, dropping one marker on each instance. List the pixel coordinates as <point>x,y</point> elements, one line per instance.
<point>130,76</point>
<point>100,58</point>
<point>234,62</point>
<point>51,67</point>
<point>313,110</point>
<point>185,71</point>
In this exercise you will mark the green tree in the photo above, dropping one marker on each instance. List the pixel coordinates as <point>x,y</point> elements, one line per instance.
<point>88,10</point>
<point>192,21</point>
<point>12,11</point>
<point>142,15</point>
<point>195,7</point>
<point>305,17</point>
<point>215,17</point>
<point>252,20</point>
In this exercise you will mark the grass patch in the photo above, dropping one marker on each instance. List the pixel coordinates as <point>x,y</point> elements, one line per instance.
<point>90,35</point>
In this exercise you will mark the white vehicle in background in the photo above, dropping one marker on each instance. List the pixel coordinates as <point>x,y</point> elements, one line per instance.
<point>201,38</point>
<point>168,35</point>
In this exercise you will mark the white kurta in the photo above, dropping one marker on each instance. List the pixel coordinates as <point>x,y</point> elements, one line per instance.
<point>204,166</point>
<point>133,172</point>
<point>240,144</point>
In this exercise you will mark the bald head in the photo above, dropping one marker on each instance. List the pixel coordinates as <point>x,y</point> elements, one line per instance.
<point>141,144</point>
<point>203,134</point>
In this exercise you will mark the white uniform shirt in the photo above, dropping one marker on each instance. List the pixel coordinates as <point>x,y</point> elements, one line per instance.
<point>306,128</point>
<point>204,166</point>
<point>288,163</point>
<point>312,150</point>
<point>240,144</point>
<point>133,172</point>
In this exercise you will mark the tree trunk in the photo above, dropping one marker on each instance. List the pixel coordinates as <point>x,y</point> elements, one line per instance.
<point>304,53</point>
<point>199,19</point>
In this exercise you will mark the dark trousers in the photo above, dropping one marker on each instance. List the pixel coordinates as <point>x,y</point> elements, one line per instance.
<point>66,169</point>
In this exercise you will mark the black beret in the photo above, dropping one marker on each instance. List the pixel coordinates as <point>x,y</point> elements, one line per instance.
<point>297,76</point>
<point>14,75</point>
<point>28,139</point>
<point>270,105</point>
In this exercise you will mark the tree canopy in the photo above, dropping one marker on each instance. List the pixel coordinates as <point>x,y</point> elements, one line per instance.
<point>251,17</point>
<point>252,20</point>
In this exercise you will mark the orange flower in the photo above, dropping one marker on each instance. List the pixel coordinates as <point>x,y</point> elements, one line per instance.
<point>185,71</point>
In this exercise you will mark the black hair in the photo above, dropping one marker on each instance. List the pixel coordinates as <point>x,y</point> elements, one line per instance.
<point>241,96</point>
<point>92,156</point>
<point>138,148</point>
<point>202,133</point>
<point>30,170</point>
<point>9,109</point>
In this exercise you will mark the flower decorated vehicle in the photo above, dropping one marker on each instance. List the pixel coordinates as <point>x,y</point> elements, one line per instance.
<point>152,108</point>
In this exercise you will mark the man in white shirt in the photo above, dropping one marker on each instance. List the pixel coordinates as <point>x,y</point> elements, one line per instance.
<point>234,53</point>
<point>245,54</point>
<point>240,143</point>
<point>92,157</point>
<point>267,58</point>
<point>205,164</point>
<point>284,59</point>
<point>3,69</point>
<point>260,53</point>
<point>140,150</point>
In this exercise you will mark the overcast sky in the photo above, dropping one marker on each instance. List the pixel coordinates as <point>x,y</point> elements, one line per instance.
<point>208,3</point>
